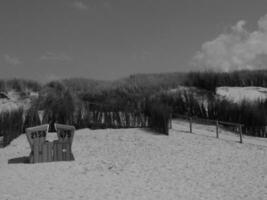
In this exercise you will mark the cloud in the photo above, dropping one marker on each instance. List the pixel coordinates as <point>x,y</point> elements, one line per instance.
<point>92,6</point>
<point>51,56</point>
<point>80,5</point>
<point>12,60</point>
<point>235,50</point>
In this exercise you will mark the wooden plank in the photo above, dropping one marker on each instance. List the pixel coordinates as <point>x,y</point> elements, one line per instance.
<point>64,126</point>
<point>170,121</point>
<point>45,152</point>
<point>50,152</point>
<point>64,150</point>
<point>59,151</point>
<point>68,154</point>
<point>206,121</point>
<point>65,138</point>
<point>190,125</point>
<point>36,134</point>
<point>35,152</point>
<point>37,128</point>
<point>240,133</point>
<point>40,152</point>
<point>55,152</point>
<point>31,157</point>
<point>230,123</point>
<point>65,133</point>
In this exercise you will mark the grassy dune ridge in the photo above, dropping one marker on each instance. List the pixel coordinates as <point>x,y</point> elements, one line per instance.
<point>186,93</point>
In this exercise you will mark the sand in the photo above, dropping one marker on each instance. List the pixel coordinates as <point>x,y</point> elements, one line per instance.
<point>238,94</point>
<point>138,164</point>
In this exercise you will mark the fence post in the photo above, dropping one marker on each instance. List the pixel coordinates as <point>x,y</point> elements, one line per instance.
<point>217,129</point>
<point>190,124</point>
<point>170,121</point>
<point>240,132</point>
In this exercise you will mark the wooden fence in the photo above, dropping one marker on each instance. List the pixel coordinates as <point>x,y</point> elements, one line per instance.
<point>235,127</point>
<point>258,131</point>
<point>91,115</point>
<point>98,116</point>
<point>155,115</point>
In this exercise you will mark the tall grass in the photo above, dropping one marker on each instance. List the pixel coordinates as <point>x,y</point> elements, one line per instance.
<point>19,85</point>
<point>252,115</point>
<point>11,124</point>
<point>159,115</point>
<point>124,102</point>
<point>119,107</point>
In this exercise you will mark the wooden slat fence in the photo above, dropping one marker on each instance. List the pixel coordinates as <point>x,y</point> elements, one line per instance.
<point>98,116</point>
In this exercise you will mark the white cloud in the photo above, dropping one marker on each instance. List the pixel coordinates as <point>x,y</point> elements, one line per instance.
<point>80,5</point>
<point>61,57</point>
<point>12,60</point>
<point>92,6</point>
<point>236,49</point>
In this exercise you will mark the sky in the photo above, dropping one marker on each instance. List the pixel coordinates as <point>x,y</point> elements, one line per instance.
<point>108,39</point>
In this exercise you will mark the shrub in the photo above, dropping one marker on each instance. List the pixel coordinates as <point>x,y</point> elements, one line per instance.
<point>159,116</point>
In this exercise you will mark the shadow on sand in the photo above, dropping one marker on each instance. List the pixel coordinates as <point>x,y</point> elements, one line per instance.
<point>19,160</point>
<point>152,132</point>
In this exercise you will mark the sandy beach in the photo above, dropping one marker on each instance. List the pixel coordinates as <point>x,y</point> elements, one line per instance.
<point>138,164</point>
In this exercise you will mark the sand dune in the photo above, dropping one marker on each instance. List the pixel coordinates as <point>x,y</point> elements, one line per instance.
<point>238,94</point>
<point>137,164</point>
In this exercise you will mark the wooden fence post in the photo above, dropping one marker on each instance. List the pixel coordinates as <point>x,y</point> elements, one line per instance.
<point>240,132</point>
<point>170,121</point>
<point>190,124</point>
<point>217,129</point>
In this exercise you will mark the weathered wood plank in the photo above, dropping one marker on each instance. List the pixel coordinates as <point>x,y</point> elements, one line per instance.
<point>45,152</point>
<point>65,137</point>
<point>59,151</point>
<point>50,152</point>
<point>35,152</point>
<point>68,151</point>
<point>37,134</point>
<point>190,125</point>
<point>64,151</point>
<point>55,152</point>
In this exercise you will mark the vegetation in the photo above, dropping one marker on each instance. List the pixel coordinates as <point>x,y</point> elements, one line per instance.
<point>144,84</point>
<point>140,100</point>
<point>57,102</point>
<point>159,115</point>
<point>211,80</point>
<point>11,124</point>
<point>106,116</point>
<point>19,85</point>
<point>252,114</point>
